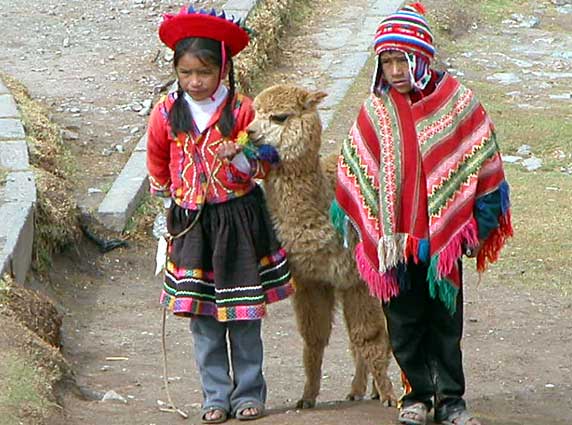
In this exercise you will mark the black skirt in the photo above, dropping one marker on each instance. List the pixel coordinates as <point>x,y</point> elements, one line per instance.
<point>229,265</point>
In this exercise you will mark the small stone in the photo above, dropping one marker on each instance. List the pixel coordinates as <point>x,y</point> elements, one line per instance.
<point>505,78</point>
<point>69,135</point>
<point>113,396</point>
<point>524,150</point>
<point>532,163</point>
<point>511,159</point>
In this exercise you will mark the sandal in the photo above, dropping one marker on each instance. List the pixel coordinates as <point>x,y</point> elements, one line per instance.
<point>414,414</point>
<point>222,418</point>
<point>249,405</point>
<point>460,417</point>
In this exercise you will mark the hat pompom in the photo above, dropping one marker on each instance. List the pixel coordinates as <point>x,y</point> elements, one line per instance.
<point>418,7</point>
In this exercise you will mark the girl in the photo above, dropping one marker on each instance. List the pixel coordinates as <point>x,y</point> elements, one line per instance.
<point>224,261</point>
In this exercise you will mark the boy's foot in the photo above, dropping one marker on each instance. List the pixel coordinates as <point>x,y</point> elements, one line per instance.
<point>461,417</point>
<point>414,414</point>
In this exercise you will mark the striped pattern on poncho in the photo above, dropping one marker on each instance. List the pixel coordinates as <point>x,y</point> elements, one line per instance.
<point>408,179</point>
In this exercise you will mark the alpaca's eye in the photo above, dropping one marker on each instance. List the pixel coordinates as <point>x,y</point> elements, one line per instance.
<point>279,118</point>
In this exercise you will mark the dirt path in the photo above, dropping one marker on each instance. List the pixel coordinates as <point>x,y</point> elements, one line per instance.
<point>518,340</point>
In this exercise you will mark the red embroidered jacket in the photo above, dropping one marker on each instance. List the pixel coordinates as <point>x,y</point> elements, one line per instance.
<point>180,166</point>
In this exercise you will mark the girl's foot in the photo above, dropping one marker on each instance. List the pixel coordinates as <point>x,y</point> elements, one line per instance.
<point>213,415</point>
<point>249,412</point>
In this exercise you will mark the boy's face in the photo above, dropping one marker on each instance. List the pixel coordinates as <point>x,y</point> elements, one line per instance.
<point>199,79</point>
<point>395,68</point>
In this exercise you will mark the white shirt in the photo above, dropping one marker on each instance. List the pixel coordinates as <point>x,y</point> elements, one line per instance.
<point>203,110</point>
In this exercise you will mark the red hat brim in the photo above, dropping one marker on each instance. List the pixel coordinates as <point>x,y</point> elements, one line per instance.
<point>174,28</point>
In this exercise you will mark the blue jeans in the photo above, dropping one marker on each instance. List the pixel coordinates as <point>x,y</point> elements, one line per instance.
<point>220,388</point>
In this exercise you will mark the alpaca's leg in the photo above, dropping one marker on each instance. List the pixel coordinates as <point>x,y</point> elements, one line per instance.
<point>359,382</point>
<point>368,334</point>
<point>314,307</point>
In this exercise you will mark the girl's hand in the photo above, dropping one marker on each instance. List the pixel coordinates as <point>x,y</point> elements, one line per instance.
<point>227,150</point>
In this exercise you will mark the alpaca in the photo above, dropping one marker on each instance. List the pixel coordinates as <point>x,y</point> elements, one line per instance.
<point>299,192</point>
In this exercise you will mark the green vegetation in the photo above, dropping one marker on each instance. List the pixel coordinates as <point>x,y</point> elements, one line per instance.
<point>21,391</point>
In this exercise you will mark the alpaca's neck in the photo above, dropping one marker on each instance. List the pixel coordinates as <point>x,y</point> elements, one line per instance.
<point>296,185</point>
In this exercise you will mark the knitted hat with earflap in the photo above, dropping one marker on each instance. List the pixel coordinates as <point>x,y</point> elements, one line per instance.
<point>406,31</point>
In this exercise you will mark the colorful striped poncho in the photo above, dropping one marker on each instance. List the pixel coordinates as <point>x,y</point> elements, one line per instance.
<point>408,180</point>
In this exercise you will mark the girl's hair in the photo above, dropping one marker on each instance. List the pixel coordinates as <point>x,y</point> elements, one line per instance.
<point>208,51</point>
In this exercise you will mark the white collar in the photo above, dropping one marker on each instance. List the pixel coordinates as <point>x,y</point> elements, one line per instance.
<point>203,110</point>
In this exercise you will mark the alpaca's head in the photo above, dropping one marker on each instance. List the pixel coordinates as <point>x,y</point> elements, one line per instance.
<point>286,117</point>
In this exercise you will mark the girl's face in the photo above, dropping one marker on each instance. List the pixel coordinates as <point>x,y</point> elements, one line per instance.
<point>395,69</point>
<point>199,79</point>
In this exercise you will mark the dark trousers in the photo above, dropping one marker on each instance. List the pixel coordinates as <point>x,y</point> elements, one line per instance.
<point>426,342</point>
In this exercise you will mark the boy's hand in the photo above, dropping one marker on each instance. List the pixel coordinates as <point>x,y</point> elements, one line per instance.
<point>227,150</point>
<point>473,252</point>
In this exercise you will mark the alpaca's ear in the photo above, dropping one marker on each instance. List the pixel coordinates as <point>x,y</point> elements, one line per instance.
<point>313,99</point>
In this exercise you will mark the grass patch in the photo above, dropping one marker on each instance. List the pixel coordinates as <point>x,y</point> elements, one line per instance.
<point>549,134</point>
<point>537,256</point>
<point>22,391</point>
<point>30,365</point>
<point>495,11</point>
<point>56,210</point>
<point>141,222</point>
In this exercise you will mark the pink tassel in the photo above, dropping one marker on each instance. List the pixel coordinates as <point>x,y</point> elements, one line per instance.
<point>382,286</point>
<point>467,236</point>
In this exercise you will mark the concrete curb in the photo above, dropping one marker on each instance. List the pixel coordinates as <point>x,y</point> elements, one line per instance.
<point>131,184</point>
<point>346,57</point>
<point>126,192</point>
<point>18,196</point>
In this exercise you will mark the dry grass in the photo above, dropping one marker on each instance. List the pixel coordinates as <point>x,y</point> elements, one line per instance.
<point>29,366</point>
<point>268,22</point>
<point>56,211</point>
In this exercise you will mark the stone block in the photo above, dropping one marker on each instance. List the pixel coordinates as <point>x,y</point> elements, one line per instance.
<point>3,88</point>
<point>129,187</point>
<point>142,144</point>
<point>336,92</point>
<point>20,187</point>
<point>11,129</point>
<point>8,107</point>
<point>333,39</point>
<point>14,155</point>
<point>17,231</point>
<point>239,8</point>
<point>350,66</point>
